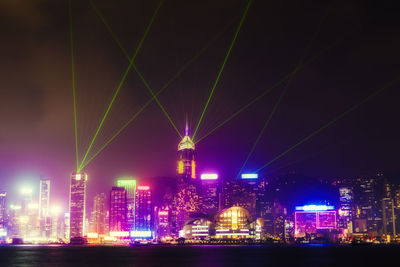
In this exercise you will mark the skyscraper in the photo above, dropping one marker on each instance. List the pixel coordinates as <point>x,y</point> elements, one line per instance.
<point>143,220</point>
<point>237,193</point>
<point>186,165</point>
<point>99,214</point>
<point>396,200</point>
<point>367,218</point>
<point>209,194</point>
<point>3,214</point>
<point>253,182</point>
<point>346,199</point>
<point>57,223</point>
<point>77,204</point>
<point>388,211</point>
<point>44,206</point>
<point>187,203</point>
<point>165,216</point>
<point>118,208</point>
<point>187,197</point>
<point>162,223</point>
<point>29,224</point>
<point>130,187</point>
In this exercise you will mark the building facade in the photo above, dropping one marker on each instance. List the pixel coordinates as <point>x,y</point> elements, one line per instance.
<point>209,194</point>
<point>77,204</point>
<point>130,187</point>
<point>238,193</point>
<point>143,214</point>
<point>187,200</point>
<point>3,214</point>
<point>99,214</point>
<point>118,208</point>
<point>44,208</point>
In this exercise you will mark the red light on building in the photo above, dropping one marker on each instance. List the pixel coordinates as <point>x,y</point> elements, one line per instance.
<point>143,187</point>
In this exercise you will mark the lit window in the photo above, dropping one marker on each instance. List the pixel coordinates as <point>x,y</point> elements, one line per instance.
<point>193,169</point>
<point>180,167</point>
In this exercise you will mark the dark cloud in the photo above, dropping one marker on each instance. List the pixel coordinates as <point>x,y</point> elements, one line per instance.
<point>25,13</point>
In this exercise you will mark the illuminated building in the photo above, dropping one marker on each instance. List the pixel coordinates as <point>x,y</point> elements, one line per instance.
<point>67,223</point>
<point>165,217</point>
<point>197,228</point>
<point>140,235</point>
<point>279,220</point>
<point>130,187</point>
<point>209,194</point>
<point>27,221</point>
<point>15,212</point>
<point>77,204</point>
<point>388,217</point>
<point>187,198</point>
<point>310,219</point>
<point>234,223</point>
<point>3,214</point>
<point>238,193</point>
<point>257,186</point>
<point>99,214</point>
<point>396,200</point>
<point>388,211</point>
<point>367,207</point>
<point>57,223</point>
<point>143,213</point>
<point>187,203</point>
<point>118,207</point>
<point>162,223</point>
<point>44,206</point>
<point>186,164</point>
<point>346,199</point>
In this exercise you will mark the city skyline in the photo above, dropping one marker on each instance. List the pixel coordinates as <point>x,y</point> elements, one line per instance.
<point>208,207</point>
<point>173,120</point>
<point>37,141</point>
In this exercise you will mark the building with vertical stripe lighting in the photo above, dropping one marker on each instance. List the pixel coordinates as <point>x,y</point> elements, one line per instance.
<point>77,204</point>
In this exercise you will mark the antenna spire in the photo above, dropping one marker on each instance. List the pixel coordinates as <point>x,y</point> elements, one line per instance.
<point>187,127</point>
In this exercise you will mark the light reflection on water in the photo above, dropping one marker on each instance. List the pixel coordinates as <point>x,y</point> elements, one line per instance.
<point>198,255</point>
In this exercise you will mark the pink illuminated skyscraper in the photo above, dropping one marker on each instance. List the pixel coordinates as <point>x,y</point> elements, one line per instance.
<point>99,213</point>
<point>44,207</point>
<point>77,204</point>
<point>3,213</point>
<point>143,210</point>
<point>118,209</point>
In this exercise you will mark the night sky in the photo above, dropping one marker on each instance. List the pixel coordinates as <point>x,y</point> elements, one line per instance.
<point>36,111</point>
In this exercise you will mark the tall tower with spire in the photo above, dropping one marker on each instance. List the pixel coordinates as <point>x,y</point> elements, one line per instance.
<point>187,198</point>
<point>186,164</point>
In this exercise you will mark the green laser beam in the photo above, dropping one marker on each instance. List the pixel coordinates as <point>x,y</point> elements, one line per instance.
<point>280,98</point>
<point>121,82</point>
<point>366,99</point>
<point>108,27</point>
<point>116,39</point>
<point>302,158</point>
<point>266,124</point>
<point>166,85</point>
<point>223,66</point>
<point>158,102</point>
<point>71,44</point>
<point>268,90</point>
